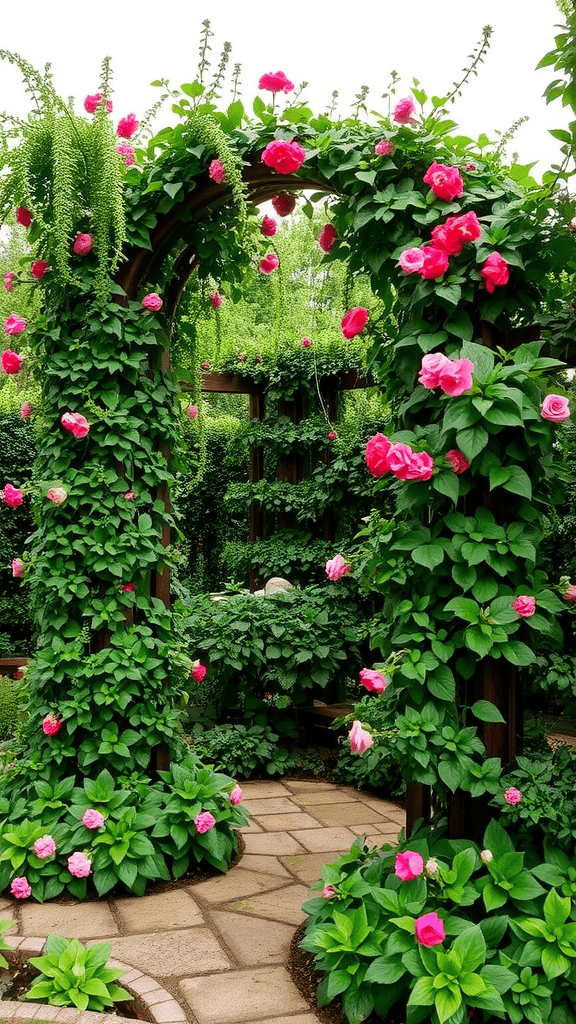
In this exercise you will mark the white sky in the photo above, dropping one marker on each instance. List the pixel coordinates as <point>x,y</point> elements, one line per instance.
<point>331,46</point>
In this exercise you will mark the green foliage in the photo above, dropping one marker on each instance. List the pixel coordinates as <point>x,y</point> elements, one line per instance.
<point>13,698</point>
<point>244,750</point>
<point>17,454</point>
<point>547,811</point>
<point>378,768</point>
<point>75,975</point>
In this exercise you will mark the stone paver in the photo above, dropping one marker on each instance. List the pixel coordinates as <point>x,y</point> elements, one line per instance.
<point>262,789</point>
<point>274,843</point>
<point>242,996</point>
<point>172,954</point>
<point>346,814</point>
<point>234,884</point>
<point>287,822</point>
<point>281,905</point>
<point>326,840</point>
<point>253,941</point>
<point>307,866</point>
<point>273,805</point>
<point>164,912</point>
<point>75,922</point>
<point>309,798</point>
<point>309,786</point>
<point>268,865</point>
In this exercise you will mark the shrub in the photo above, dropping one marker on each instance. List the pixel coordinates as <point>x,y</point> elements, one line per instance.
<point>378,768</point>
<point>244,750</point>
<point>546,812</point>
<point>13,697</point>
<point>73,975</point>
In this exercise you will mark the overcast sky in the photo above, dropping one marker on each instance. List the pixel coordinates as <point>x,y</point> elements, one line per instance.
<point>331,46</point>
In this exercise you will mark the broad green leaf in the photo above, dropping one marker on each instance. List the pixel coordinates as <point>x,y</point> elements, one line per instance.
<point>486,712</point>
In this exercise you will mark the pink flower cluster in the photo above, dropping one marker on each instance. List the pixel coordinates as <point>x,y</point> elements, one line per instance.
<point>92,818</point>
<point>284,204</point>
<point>268,227</point>
<point>445,182</point>
<point>236,795</point>
<point>269,264</point>
<point>217,172</point>
<point>79,865</point>
<point>13,496</point>
<point>374,681</point>
<point>56,495</point>
<point>384,457</point>
<point>336,568</point>
<point>39,268</point>
<point>404,111</point>
<point>453,376</point>
<point>384,148</point>
<point>20,888</point>
<point>512,796</point>
<point>555,408</point>
<point>51,725</point>
<point>82,244</point>
<point>75,423</point>
<point>91,103</point>
<point>17,567</point>
<point>275,82</point>
<point>524,606</point>
<point>11,361</point>
<point>14,325</point>
<point>127,126</point>
<point>430,929</point>
<point>126,151</point>
<point>44,847</point>
<point>448,239</point>
<point>152,302</point>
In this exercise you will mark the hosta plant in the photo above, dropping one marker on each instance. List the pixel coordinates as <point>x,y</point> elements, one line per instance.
<point>73,975</point>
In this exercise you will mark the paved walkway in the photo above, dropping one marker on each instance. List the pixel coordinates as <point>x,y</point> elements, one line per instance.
<point>215,953</point>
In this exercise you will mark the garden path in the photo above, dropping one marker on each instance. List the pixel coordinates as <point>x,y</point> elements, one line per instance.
<point>215,952</point>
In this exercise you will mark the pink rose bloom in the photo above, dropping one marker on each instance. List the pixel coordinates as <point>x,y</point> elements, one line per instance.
<point>192,412</point>
<point>555,408</point>
<point>198,672</point>
<point>372,680</point>
<point>408,865</point>
<point>306,342</point>
<point>76,423</point>
<point>284,157</point>
<point>51,724</point>
<point>82,244</point>
<point>92,818</point>
<point>91,103</point>
<point>127,126</point>
<point>377,455</point>
<point>129,495</point>
<point>269,226</point>
<point>14,324</point>
<point>404,111</point>
<point>411,260</point>
<point>328,892</point>
<point>11,361</point>
<point>354,321</point>
<point>12,496</point>
<point>216,300</point>
<point>236,795</point>
<point>275,82</point>
<point>495,272</point>
<point>206,365</point>
<point>445,182</point>
<point>23,217</point>
<point>128,588</point>
<point>432,365</point>
<point>336,568</point>
<point>332,435</point>
<point>269,264</point>
<point>25,410</point>
<point>79,865</point>
<point>44,847</point>
<point>127,151</point>
<point>39,268</point>
<point>568,595</point>
<point>153,302</point>
<point>217,172</point>
<point>400,458</point>
<point>17,566</point>
<point>525,606</point>
<point>20,888</point>
<point>486,856</point>
<point>430,929</point>
<point>421,467</point>
<point>9,282</point>
<point>328,238</point>
<point>456,378</point>
<point>56,495</point>
<point>384,148</point>
<point>284,204</point>
<point>456,232</point>
<point>360,740</point>
<point>204,822</point>
<point>459,461</point>
<point>512,796</point>
<point>435,263</point>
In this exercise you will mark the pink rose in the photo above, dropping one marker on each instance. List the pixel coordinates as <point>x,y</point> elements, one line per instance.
<point>555,408</point>
<point>9,282</point>
<point>400,457</point>
<point>198,672</point>
<point>20,888</point>
<point>328,892</point>
<point>377,455</point>
<point>76,423</point>
<point>445,182</point>
<point>51,724</point>
<point>275,82</point>
<point>430,929</point>
<point>216,300</point>
<point>456,378</point>
<point>568,595</point>
<point>332,435</point>
<point>129,495</point>
<point>82,244</point>
<point>269,264</point>
<point>421,467</point>
<point>236,795</point>
<point>128,588</point>
<point>79,865</point>
<point>56,495</point>
<point>360,740</point>
<point>127,151</point>
<point>204,822</point>
<point>92,818</point>
<point>486,856</point>
<point>206,365</point>
<point>25,410</point>
<point>459,461</point>
<point>44,847</point>
<point>23,217</point>
<point>435,263</point>
<point>404,111</point>
<point>91,103</point>
<point>328,238</point>
<point>524,606</point>
<point>11,361</point>
<point>408,865</point>
<point>495,272</point>
<point>217,172</point>
<point>354,321</point>
<point>411,260</point>
<point>384,148</point>
<point>12,496</point>
<point>14,324</point>
<point>432,365</point>
<point>306,342</point>
<point>512,796</point>
<point>153,302</point>
<point>284,157</point>
<point>284,204</point>
<point>127,126</point>
<point>336,568</point>
<point>17,566</point>
<point>39,268</point>
<point>372,680</point>
<point>456,232</point>
<point>268,227</point>
<point>192,412</point>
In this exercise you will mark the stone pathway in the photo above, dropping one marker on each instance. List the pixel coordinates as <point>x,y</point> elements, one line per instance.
<point>215,953</point>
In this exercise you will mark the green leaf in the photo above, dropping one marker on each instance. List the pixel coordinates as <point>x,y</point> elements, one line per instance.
<point>447,1003</point>
<point>428,555</point>
<point>472,441</point>
<point>464,608</point>
<point>423,993</point>
<point>459,323</point>
<point>338,981</point>
<point>486,712</point>
<point>554,963</point>
<point>518,482</point>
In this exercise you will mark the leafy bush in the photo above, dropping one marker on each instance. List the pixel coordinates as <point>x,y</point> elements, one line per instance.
<point>244,750</point>
<point>73,975</point>
<point>546,812</point>
<point>378,768</point>
<point>17,455</point>
<point>296,555</point>
<point>13,697</point>
<point>552,682</point>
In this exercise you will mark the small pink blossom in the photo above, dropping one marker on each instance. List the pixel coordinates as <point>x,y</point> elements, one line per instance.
<point>456,377</point>
<point>458,460</point>
<point>456,232</point>
<point>359,739</point>
<point>275,82</point>
<point>92,818</point>
<point>23,216</point>
<point>430,930</point>
<point>17,566</point>
<point>306,342</point>
<point>495,272</point>
<point>217,172</point>
<point>328,238</point>
<point>204,822</point>
<point>336,568</point>
<point>75,423</point>
<point>284,157</point>
<point>9,282</point>
<point>206,365</point>
<point>11,361</point>
<point>555,408</point>
<point>192,412</point>
<point>236,795</point>
<point>432,365</point>
<point>127,126</point>
<point>129,495</point>
<point>524,606</point>
<point>570,594</point>
<point>354,321</point>
<point>126,151</point>
<point>216,300</point>
<point>79,865</point>
<point>91,103</point>
<point>39,268</point>
<point>198,672</point>
<point>332,435</point>
<point>269,226</point>
<point>82,244</point>
<point>14,325</point>
<point>411,260</point>
<point>44,847</point>
<point>152,302</point>
<point>51,724</point>
<point>408,865</point>
<point>435,263</point>
<point>128,588</point>
<point>284,204</point>
<point>25,410</point>
<point>512,796</point>
<point>328,892</point>
<point>404,111</point>
<point>269,264</point>
<point>377,455</point>
<point>486,856</point>
<point>20,888</point>
<point>372,680</point>
<point>445,182</point>
<point>384,148</point>
<point>13,496</point>
<point>56,495</point>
